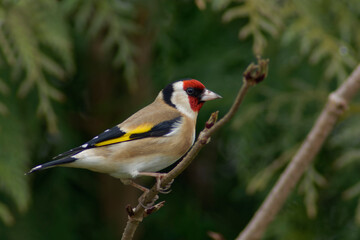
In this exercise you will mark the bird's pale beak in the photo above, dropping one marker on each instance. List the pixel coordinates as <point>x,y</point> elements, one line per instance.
<point>209,95</point>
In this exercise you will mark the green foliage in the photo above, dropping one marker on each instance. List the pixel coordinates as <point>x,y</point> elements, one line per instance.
<point>32,36</point>
<point>349,157</point>
<point>111,20</point>
<point>307,23</point>
<point>13,162</point>
<point>308,186</point>
<point>4,90</point>
<point>36,57</point>
<point>35,47</point>
<point>318,41</point>
<point>261,180</point>
<point>324,33</point>
<point>261,19</point>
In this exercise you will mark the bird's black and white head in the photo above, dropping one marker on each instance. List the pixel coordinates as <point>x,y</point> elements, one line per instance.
<point>188,96</point>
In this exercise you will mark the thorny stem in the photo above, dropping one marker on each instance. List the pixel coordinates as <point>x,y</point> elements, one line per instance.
<point>336,105</point>
<point>254,74</point>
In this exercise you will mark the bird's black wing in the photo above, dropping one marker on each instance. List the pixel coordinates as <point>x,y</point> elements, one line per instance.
<point>108,134</point>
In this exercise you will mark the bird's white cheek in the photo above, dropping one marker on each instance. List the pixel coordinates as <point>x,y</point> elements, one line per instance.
<point>186,109</point>
<point>181,101</point>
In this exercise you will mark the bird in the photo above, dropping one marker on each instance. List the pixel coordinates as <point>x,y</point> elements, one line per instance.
<point>148,141</point>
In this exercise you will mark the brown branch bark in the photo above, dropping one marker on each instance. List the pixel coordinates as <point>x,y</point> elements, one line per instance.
<point>336,105</point>
<point>252,75</point>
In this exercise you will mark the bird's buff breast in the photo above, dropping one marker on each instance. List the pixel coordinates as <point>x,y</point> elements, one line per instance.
<point>126,167</point>
<point>132,167</point>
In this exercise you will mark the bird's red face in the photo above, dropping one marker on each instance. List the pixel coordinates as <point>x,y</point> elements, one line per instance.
<point>198,94</point>
<point>194,89</point>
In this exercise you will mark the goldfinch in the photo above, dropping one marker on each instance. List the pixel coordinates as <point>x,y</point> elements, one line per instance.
<point>148,141</point>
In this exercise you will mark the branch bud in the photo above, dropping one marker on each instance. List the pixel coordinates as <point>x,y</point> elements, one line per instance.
<point>256,73</point>
<point>154,208</point>
<point>129,210</point>
<point>212,120</point>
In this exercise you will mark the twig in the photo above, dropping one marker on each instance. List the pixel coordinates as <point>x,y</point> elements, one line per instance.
<point>254,74</point>
<point>336,105</point>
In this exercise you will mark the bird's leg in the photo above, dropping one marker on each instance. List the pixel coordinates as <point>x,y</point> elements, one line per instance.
<point>134,184</point>
<point>138,186</point>
<point>144,189</point>
<point>158,176</point>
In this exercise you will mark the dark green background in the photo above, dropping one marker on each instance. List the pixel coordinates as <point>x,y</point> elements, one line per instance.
<point>170,40</point>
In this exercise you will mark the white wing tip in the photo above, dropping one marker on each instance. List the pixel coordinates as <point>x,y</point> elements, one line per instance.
<point>34,169</point>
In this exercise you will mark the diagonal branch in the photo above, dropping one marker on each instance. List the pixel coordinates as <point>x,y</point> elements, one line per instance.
<point>254,74</point>
<point>336,105</point>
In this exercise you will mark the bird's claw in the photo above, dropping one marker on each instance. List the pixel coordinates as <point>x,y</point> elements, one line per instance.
<point>148,205</point>
<point>166,189</point>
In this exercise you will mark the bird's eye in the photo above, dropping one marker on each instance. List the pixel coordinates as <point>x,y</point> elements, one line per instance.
<point>190,91</point>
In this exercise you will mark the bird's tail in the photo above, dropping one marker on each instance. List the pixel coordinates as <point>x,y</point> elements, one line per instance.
<point>52,164</point>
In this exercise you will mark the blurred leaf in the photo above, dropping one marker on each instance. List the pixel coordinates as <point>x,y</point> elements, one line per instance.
<point>6,215</point>
<point>347,158</point>
<point>14,157</point>
<point>347,135</point>
<point>352,191</point>
<point>3,109</point>
<point>8,52</point>
<point>4,89</point>
<point>357,213</point>
<point>262,178</point>
<point>308,186</point>
<point>236,12</point>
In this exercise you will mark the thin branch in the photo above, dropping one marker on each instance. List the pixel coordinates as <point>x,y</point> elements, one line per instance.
<point>336,105</point>
<point>254,74</point>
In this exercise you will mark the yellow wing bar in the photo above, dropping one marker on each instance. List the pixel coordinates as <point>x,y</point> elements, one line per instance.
<point>126,137</point>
